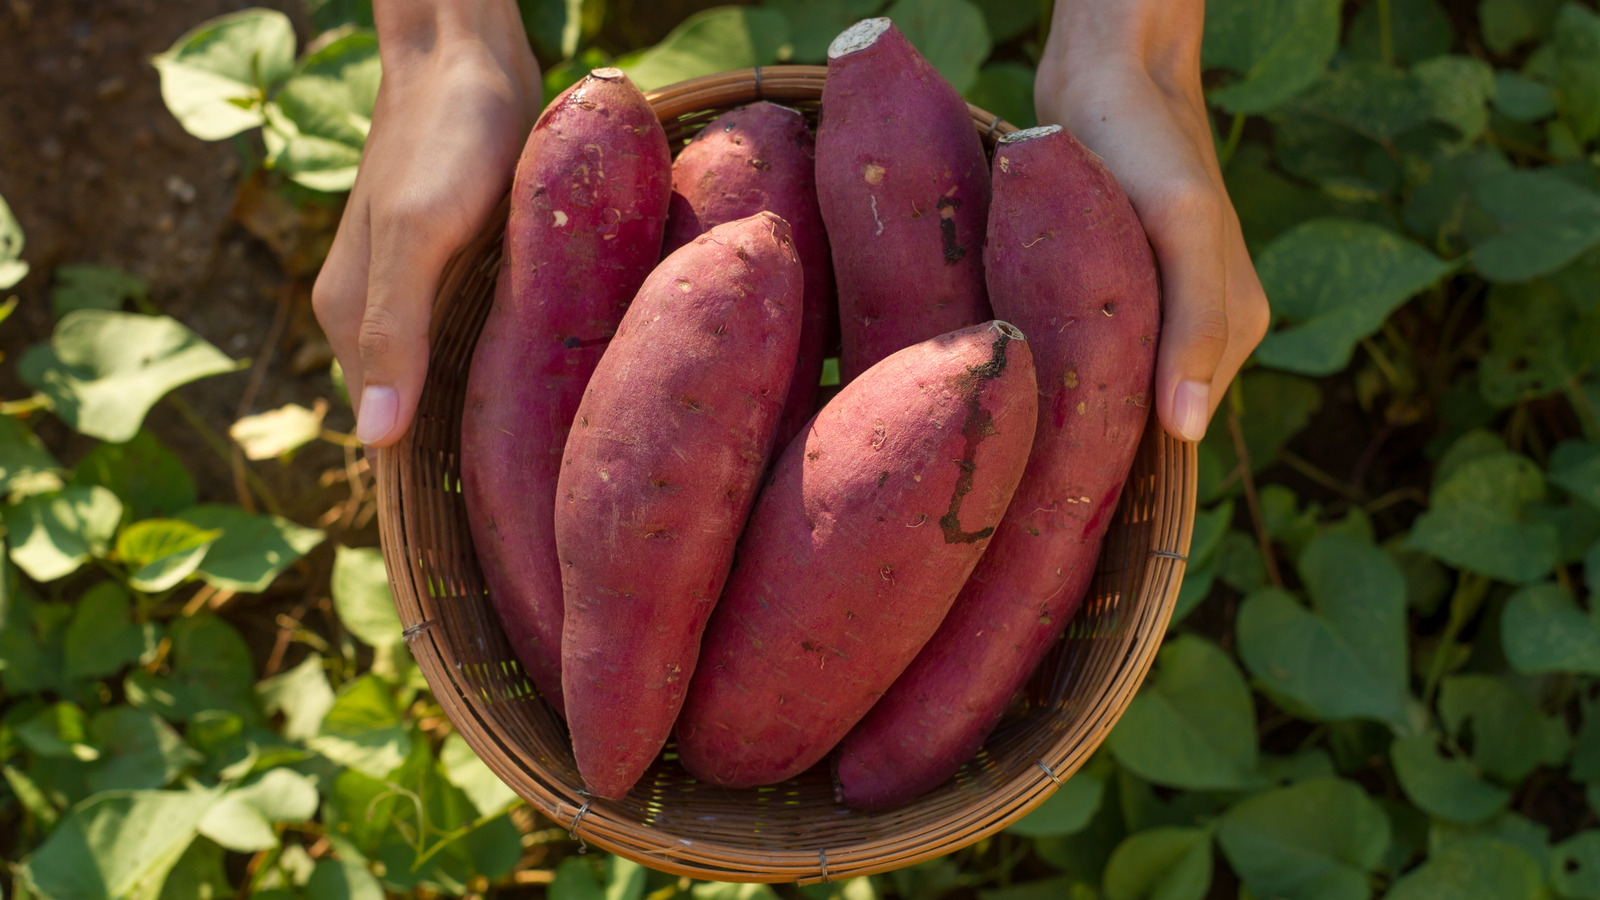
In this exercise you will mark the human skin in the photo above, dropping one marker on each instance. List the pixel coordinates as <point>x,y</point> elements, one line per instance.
<point>460,91</point>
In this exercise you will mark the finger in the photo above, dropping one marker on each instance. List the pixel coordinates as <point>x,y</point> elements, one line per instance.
<point>392,341</point>
<point>1186,227</point>
<point>1248,313</point>
<point>339,295</point>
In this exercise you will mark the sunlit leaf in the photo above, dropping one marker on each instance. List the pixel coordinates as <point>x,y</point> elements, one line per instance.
<point>25,464</point>
<point>278,432</point>
<point>214,77</point>
<point>1477,520</point>
<point>363,730</point>
<point>163,552</point>
<point>107,849</point>
<point>318,123</point>
<point>1278,47</point>
<point>469,773</point>
<point>253,549</point>
<point>710,41</point>
<point>51,535</point>
<point>12,268</point>
<point>94,286</point>
<point>1191,726</point>
<point>301,694</point>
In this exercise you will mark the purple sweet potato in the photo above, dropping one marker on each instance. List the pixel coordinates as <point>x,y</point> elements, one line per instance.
<point>661,467</point>
<point>753,158</point>
<point>1067,261</point>
<point>868,526</point>
<point>904,190</point>
<point>588,208</point>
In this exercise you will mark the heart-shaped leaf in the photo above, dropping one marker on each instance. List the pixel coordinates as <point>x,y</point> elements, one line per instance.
<point>1545,222</point>
<point>1161,864</point>
<point>278,432</point>
<point>302,694</point>
<point>107,848</point>
<point>1070,809</point>
<point>469,773</point>
<point>711,41</point>
<point>12,268</point>
<point>25,464</point>
<point>1570,64</point>
<point>1444,787</point>
<point>1332,283</point>
<point>103,639</point>
<point>103,370</point>
<point>1346,656</point>
<point>51,535</point>
<point>1575,466</point>
<point>1509,736</point>
<point>252,550</point>
<point>1543,630</point>
<point>318,123</point>
<point>1316,839</point>
<point>1539,340</point>
<point>94,286</point>
<point>950,34</point>
<point>1376,100</point>
<point>1473,870</point>
<point>1575,866</point>
<point>147,477</point>
<point>1459,89</point>
<point>363,729</point>
<point>214,78</point>
<point>1279,47</point>
<point>242,819</point>
<point>139,751</point>
<point>1477,520</point>
<point>211,670</point>
<point>1192,726</point>
<point>163,552</point>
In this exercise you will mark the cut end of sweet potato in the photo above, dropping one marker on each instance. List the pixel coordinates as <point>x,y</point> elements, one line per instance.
<point>859,36</point>
<point>607,73</point>
<point>1028,134</point>
<point>1009,330</point>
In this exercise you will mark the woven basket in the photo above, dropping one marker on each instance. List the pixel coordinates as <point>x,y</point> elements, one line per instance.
<point>793,831</point>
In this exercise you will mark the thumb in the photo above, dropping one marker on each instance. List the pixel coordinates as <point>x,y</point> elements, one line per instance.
<point>393,342</point>
<point>1186,230</point>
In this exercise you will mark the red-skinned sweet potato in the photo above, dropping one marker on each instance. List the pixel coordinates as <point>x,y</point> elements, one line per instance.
<point>868,526</point>
<point>1067,260</point>
<point>752,158</point>
<point>661,467</point>
<point>588,208</point>
<point>904,190</point>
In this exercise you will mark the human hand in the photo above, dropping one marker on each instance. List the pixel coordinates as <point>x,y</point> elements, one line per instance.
<point>1124,77</point>
<point>460,92</point>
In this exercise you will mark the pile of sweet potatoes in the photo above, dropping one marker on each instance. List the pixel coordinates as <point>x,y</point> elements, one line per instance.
<point>680,544</point>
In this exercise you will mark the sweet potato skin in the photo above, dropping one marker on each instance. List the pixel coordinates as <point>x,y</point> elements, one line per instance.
<point>588,209</point>
<point>663,462</point>
<point>756,157</point>
<point>904,189</point>
<point>866,529</point>
<point>1067,260</point>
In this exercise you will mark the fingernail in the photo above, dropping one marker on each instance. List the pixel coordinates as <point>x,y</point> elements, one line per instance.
<point>379,408</point>
<point>1191,406</point>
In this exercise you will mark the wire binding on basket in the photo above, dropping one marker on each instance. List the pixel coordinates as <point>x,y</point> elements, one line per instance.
<point>758,82</point>
<point>572,830</point>
<point>1041,764</point>
<point>822,854</point>
<point>1168,554</point>
<point>415,631</point>
<point>995,124</point>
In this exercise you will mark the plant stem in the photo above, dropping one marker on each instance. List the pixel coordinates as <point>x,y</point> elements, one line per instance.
<point>225,451</point>
<point>1584,409</point>
<point>1252,501</point>
<point>1390,373</point>
<point>26,405</point>
<point>1310,470</point>
<point>1235,132</point>
<point>1385,33</point>
<point>1464,603</point>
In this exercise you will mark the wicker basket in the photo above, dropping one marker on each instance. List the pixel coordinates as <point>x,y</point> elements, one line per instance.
<point>794,831</point>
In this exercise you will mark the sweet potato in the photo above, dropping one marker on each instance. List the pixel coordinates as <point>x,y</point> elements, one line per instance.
<point>1067,261</point>
<point>661,467</point>
<point>588,208</point>
<point>868,526</point>
<point>753,158</point>
<point>904,190</point>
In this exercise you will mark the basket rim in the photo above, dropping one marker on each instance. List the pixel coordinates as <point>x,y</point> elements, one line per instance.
<point>1176,465</point>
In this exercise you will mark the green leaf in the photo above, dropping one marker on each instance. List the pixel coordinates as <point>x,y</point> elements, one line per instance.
<point>318,123</point>
<point>1473,870</point>
<point>1068,811</point>
<point>1542,630</point>
<point>1346,656</point>
<point>1522,99</point>
<point>1444,787</point>
<point>103,370</point>
<point>253,549</point>
<point>1161,864</point>
<point>60,730</point>
<point>31,657</point>
<point>1279,47</point>
<point>1419,29</point>
<point>1503,724</point>
<point>1008,19</point>
<point>1545,221</point>
<point>1575,866</point>
<point>1193,725</point>
<point>466,771</point>
<point>326,15</point>
<point>103,639</point>
<point>1005,89</point>
<point>1378,101</point>
<point>139,751</point>
<point>950,34</point>
<point>342,879</point>
<point>163,552</point>
<point>1317,839</point>
<point>1209,528</point>
<point>729,891</point>
<point>362,596</point>
<point>1574,69</point>
<point>1513,829</point>
<point>94,286</point>
<point>1575,467</point>
<point>1277,406</point>
<point>214,77</point>
<point>302,694</point>
<point>147,477</point>
<point>51,535</point>
<point>813,24</point>
<point>1459,88</point>
<point>1476,520</point>
<point>198,875</point>
<point>363,730</point>
<point>107,849</point>
<point>12,268</point>
<point>25,464</point>
<point>211,669</point>
<point>279,432</point>
<point>1333,282</point>
<point>1538,342</point>
<point>1507,23</point>
<point>242,819</point>
<point>711,41</point>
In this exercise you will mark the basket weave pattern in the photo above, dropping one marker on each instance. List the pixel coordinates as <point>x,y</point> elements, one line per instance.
<point>793,831</point>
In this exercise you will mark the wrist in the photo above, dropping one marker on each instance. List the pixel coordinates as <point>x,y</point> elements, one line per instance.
<point>1159,37</point>
<point>413,30</point>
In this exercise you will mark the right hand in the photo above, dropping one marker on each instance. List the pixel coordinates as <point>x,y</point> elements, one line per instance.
<point>460,92</point>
